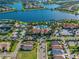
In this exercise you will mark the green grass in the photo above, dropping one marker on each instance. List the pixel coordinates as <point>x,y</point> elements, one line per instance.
<point>49,57</point>
<point>49,48</point>
<point>48,44</point>
<point>28,54</point>
<point>74,49</point>
<point>13,45</point>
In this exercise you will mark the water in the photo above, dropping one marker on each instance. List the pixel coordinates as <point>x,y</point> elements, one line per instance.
<point>50,6</point>
<point>17,6</point>
<point>38,15</point>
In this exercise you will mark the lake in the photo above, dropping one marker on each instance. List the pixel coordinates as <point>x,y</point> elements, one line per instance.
<point>38,15</point>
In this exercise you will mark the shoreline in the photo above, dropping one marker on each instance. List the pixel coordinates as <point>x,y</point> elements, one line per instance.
<point>7,11</point>
<point>62,10</point>
<point>23,10</point>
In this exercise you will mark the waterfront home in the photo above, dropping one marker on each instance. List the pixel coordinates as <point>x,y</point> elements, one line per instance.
<point>41,29</point>
<point>69,25</point>
<point>4,9</point>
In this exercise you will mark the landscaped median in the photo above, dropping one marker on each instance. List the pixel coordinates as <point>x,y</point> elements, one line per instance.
<point>14,45</point>
<point>49,49</point>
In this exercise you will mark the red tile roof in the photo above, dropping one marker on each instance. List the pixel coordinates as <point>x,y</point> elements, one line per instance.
<point>71,25</point>
<point>58,57</point>
<point>57,47</point>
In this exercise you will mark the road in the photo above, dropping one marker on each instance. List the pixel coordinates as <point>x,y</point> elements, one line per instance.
<point>17,49</point>
<point>42,49</point>
<point>68,52</point>
<point>67,49</point>
<point>12,54</point>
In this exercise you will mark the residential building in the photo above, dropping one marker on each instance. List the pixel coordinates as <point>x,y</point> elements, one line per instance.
<point>56,45</point>
<point>27,45</point>
<point>59,57</point>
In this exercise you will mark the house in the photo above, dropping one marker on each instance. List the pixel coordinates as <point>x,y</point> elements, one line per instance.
<point>59,57</point>
<point>5,45</point>
<point>66,32</point>
<point>41,29</point>
<point>27,45</point>
<point>69,25</point>
<point>57,52</point>
<point>56,45</point>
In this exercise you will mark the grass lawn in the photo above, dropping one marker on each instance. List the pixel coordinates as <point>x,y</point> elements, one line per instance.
<point>49,57</point>
<point>14,45</point>
<point>48,45</point>
<point>28,54</point>
<point>74,49</point>
<point>48,48</point>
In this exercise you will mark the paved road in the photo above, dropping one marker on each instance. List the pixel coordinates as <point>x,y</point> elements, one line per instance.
<point>68,52</point>
<point>42,52</point>
<point>12,54</point>
<point>17,49</point>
